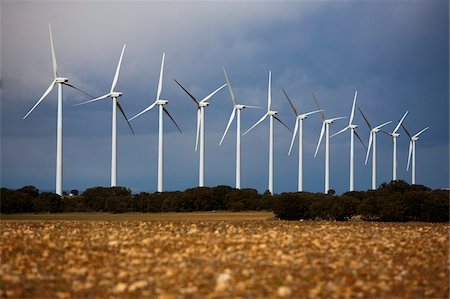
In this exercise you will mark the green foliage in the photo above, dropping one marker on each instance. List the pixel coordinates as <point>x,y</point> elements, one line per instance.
<point>48,202</point>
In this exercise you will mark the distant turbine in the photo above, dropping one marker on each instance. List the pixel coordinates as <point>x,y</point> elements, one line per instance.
<point>161,104</point>
<point>353,132</point>
<point>201,130</point>
<point>412,152</point>
<point>272,115</point>
<point>394,136</point>
<point>115,104</point>
<point>373,139</point>
<point>325,129</point>
<point>60,81</point>
<point>238,108</point>
<point>299,119</point>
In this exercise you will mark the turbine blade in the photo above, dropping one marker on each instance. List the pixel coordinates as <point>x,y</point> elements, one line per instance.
<point>341,131</point>
<point>387,133</point>
<point>173,120</point>
<point>126,118</point>
<point>312,112</point>
<point>158,93</point>
<point>406,131</point>
<point>290,103</point>
<point>229,88</point>
<point>55,65</point>
<point>365,119</point>
<point>212,93</point>
<point>199,119</point>
<point>352,114</point>
<point>318,107</point>
<point>74,87</point>
<point>185,90</point>
<point>257,123</point>
<point>254,107</point>
<point>276,117</point>
<point>420,132</point>
<point>368,147</point>
<point>269,92</point>
<point>337,118</point>
<point>116,76</point>
<point>293,136</point>
<point>360,140</point>
<point>228,125</point>
<point>382,125</point>
<point>94,100</point>
<point>409,154</point>
<point>143,111</point>
<point>40,100</point>
<point>322,131</point>
<point>399,123</point>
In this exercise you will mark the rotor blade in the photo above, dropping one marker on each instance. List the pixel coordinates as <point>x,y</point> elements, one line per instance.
<point>360,140</point>
<point>276,117</point>
<point>199,119</point>
<point>94,100</point>
<point>257,123</point>
<point>365,119</point>
<point>420,132</point>
<point>70,85</point>
<point>368,147</point>
<point>126,118</point>
<point>143,111</point>
<point>318,107</point>
<point>406,131</point>
<point>228,125</point>
<point>212,93</point>
<point>320,138</point>
<point>290,103</point>
<point>409,154</point>
<point>352,114</point>
<point>185,90</point>
<point>40,100</point>
<point>312,112</point>
<point>116,76</point>
<point>400,122</point>
<point>254,107</point>
<point>55,66</point>
<point>158,93</point>
<point>341,131</point>
<point>173,120</point>
<point>387,133</point>
<point>229,88</point>
<point>337,118</point>
<point>382,125</point>
<point>293,136</point>
<point>269,92</point>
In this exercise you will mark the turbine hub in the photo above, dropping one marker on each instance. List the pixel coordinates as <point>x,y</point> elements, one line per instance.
<point>61,80</point>
<point>162,102</point>
<point>328,121</point>
<point>375,130</point>
<point>116,94</point>
<point>353,126</point>
<point>203,104</point>
<point>238,106</point>
<point>395,135</point>
<point>272,113</point>
<point>302,116</point>
<point>415,138</point>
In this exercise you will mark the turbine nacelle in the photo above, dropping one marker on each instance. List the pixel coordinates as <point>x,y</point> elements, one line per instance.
<point>239,106</point>
<point>395,135</point>
<point>203,104</point>
<point>162,102</point>
<point>352,126</point>
<point>61,80</point>
<point>115,94</point>
<point>272,113</point>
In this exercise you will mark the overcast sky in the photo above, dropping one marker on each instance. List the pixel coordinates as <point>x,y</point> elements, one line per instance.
<point>395,53</point>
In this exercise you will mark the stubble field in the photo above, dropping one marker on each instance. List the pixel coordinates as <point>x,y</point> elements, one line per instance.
<point>229,257</point>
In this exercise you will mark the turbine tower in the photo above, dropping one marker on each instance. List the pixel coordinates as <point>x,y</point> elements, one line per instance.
<point>115,104</point>
<point>353,132</point>
<point>373,139</point>
<point>299,120</point>
<point>162,109</point>
<point>273,116</point>
<point>59,81</point>
<point>412,152</point>
<point>235,112</point>
<point>325,129</point>
<point>201,130</point>
<point>394,136</point>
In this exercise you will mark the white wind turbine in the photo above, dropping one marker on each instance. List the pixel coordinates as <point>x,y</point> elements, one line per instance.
<point>373,140</point>
<point>299,120</point>
<point>115,104</point>
<point>325,129</point>
<point>412,152</point>
<point>236,108</point>
<point>161,103</point>
<point>394,136</point>
<point>60,81</point>
<point>272,115</point>
<point>201,130</point>
<point>353,132</point>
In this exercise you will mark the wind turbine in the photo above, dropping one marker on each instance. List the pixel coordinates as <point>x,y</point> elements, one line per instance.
<point>412,152</point>
<point>115,104</point>
<point>373,139</point>
<point>394,136</point>
<point>236,108</point>
<point>272,115</point>
<point>201,130</point>
<point>353,132</point>
<point>161,104</point>
<point>325,129</point>
<point>59,81</point>
<point>299,120</point>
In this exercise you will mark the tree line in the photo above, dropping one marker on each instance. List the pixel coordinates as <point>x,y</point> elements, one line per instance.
<point>396,201</point>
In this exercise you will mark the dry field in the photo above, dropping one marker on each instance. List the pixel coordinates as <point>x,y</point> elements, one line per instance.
<point>240,258</point>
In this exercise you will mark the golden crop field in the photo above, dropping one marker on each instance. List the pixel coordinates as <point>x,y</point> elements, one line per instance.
<point>203,257</point>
